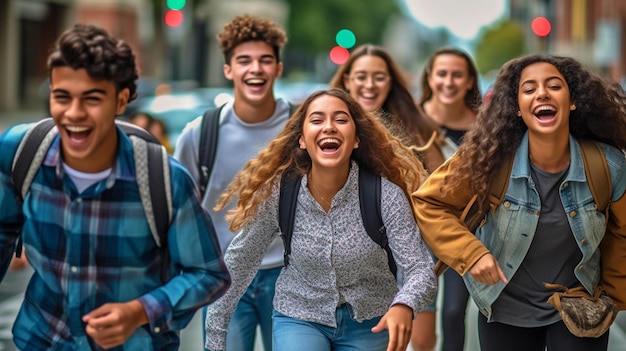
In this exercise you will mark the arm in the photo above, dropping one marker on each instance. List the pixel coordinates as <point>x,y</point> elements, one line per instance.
<point>194,251</point>
<point>439,220</point>
<point>243,257</point>
<point>11,217</point>
<point>613,248</point>
<point>414,259</point>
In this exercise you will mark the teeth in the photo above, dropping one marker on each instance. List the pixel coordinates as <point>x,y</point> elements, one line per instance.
<point>329,141</point>
<point>77,129</point>
<point>545,108</point>
<point>255,81</point>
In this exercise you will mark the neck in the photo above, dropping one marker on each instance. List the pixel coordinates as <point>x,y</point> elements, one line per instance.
<point>255,113</point>
<point>324,185</point>
<point>457,116</point>
<point>549,154</point>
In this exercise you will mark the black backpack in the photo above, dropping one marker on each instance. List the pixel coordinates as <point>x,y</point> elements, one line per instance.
<point>209,133</point>
<point>369,200</point>
<point>152,168</point>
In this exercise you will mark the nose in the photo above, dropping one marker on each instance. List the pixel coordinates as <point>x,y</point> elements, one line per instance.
<point>329,126</point>
<point>256,66</point>
<point>75,109</point>
<point>448,79</point>
<point>542,93</point>
<point>369,81</point>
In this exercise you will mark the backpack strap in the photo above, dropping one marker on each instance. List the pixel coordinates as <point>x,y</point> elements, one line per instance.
<point>473,214</point>
<point>30,154</point>
<point>27,160</point>
<point>597,172</point>
<point>369,201</point>
<point>209,132</point>
<point>288,201</point>
<point>153,180</point>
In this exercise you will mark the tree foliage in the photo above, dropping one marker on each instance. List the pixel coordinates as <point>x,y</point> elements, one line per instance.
<point>499,44</point>
<point>312,25</point>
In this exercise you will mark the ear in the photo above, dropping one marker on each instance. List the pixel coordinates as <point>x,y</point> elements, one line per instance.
<point>122,101</point>
<point>519,113</point>
<point>356,143</point>
<point>572,107</point>
<point>302,144</point>
<point>228,72</point>
<point>279,70</point>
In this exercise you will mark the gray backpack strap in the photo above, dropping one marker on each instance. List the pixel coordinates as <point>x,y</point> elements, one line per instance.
<point>30,154</point>
<point>153,181</point>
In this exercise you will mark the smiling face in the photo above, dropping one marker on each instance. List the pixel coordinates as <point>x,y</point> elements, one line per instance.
<point>369,81</point>
<point>329,133</point>
<point>544,100</point>
<point>84,111</point>
<point>253,69</point>
<point>449,79</point>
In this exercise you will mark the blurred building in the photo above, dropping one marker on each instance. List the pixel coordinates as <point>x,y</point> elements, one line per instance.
<point>186,51</point>
<point>592,31</point>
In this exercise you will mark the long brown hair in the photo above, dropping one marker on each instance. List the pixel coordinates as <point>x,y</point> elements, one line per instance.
<point>399,111</point>
<point>378,150</point>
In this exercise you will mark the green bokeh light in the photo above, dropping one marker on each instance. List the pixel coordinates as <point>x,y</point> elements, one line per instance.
<point>345,38</point>
<point>176,4</point>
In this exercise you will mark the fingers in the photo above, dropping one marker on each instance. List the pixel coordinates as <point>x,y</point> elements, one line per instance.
<point>487,271</point>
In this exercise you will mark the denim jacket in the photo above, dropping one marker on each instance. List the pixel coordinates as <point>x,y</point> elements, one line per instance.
<point>509,230</point>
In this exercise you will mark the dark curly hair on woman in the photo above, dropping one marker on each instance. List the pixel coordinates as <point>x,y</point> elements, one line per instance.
<point>600,115</point>
<point>246,28</point>
<point>100,54</point>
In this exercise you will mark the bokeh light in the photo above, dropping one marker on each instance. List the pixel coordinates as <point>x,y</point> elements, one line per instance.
<point>339,55</point>
<point>541,26</point>
<point>345,38</point>
<point>173,18</point>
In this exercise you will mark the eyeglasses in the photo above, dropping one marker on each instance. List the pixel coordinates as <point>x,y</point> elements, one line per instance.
<point>377,79</point>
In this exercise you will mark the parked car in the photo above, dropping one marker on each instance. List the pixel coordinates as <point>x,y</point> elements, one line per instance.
<point>175,109</point>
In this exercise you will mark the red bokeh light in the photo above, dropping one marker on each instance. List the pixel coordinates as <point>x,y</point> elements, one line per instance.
<point>541,26</point>
<point>173,18</point>
<point>339,55</point>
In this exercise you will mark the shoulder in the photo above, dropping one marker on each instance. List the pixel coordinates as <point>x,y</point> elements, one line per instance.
<point>10,141</point>
<point>615,158</point>
<point>616,161</point>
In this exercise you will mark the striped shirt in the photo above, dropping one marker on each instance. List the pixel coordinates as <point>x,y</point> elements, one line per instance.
<point>95,247</point>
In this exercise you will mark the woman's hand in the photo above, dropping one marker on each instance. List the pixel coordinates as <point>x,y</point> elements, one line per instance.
<point>487,270</point>
<point>398,321</point>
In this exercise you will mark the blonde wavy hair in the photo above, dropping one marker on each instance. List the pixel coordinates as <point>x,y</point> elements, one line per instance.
<point>378,150</point>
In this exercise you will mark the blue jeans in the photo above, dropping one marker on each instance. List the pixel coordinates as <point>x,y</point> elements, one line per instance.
<point>255,308</point>
<point>308,336</point>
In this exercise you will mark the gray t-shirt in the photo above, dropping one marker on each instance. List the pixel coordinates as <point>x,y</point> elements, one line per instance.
<point>238,142</point>
<point>551,258</point>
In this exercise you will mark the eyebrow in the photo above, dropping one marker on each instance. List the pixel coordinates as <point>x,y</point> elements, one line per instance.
<point>86,92</point>
<point>530,81</point>
<point>239,57</point>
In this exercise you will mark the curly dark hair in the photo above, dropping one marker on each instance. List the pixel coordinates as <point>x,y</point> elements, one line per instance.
<point>99,53</point>
<point>600,115</point>
<point>246,28</point>
<point>399,111</point>
<point>473,99</point>
<point>378,150</point>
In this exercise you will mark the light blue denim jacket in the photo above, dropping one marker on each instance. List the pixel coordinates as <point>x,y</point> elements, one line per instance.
<point>509,231</point>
